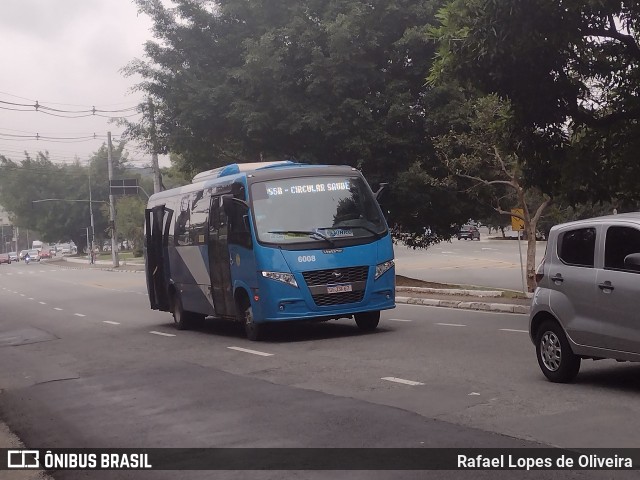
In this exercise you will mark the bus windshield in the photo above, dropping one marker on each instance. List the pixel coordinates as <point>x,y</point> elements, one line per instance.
<point>316,209</point>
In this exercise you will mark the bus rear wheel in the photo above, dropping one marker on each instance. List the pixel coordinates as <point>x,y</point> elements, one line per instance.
<point>367,321</point>
<point>184,320</point>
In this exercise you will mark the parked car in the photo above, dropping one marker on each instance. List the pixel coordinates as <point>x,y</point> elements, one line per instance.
<point>4,258</point>
<point>22,254</point>
<point>13,256</point>
<point>469,232</point>
<point>585,305</point>
<point>34,255</point>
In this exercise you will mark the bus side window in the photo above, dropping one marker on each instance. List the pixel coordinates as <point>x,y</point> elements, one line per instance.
<point>199,215</point>
<point>238,222</point>
<point>183,222</point>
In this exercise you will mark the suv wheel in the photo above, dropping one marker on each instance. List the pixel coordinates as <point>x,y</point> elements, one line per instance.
<point>556,360</point>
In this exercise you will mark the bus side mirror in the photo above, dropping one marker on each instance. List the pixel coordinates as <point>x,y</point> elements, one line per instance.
<point>381,190</point>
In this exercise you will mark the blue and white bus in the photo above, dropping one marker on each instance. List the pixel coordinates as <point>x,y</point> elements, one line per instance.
<point>270,242</point>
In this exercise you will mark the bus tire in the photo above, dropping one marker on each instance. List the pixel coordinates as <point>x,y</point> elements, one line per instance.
<point>254,331</point>
<point>367,321</point>
<point>181,318</point>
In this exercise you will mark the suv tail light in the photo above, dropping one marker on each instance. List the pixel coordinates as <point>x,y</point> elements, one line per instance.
<point>540,272</point>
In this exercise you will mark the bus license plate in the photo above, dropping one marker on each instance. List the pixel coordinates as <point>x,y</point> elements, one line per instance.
<point>339,289</point>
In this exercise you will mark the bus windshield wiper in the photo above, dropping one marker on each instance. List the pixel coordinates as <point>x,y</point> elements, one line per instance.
<point>311,233</point>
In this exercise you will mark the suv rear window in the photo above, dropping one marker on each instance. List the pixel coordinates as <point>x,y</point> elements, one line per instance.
<point>577,247</point>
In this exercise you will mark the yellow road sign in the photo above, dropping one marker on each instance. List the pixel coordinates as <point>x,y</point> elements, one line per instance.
<point>517,223</point>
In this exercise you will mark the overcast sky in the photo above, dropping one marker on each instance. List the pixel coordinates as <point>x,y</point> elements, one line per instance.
<point>66,54</point>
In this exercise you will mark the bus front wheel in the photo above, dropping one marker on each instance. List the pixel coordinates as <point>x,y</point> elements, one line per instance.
<point>367,321</point>
<point>253,330</point>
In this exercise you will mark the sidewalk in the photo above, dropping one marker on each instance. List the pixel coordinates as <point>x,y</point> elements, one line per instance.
<point>473,298</point>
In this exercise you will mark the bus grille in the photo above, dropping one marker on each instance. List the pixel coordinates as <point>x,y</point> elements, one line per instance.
<point>338,298</point>
<point>328,277</point>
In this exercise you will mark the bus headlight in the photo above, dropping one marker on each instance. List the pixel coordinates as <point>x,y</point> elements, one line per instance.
<point>287,278</point>
<point>383,267</point>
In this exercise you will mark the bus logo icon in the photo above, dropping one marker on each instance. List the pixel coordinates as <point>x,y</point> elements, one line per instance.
<point>336,274</point>
<point>23,459</point>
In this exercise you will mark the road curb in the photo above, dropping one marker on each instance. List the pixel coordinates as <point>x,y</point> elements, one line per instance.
<point>432,302</point>
<point>452,291</point>
<point>483,306</point>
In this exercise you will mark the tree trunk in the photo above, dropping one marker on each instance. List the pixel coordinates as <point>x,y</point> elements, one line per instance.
<point>530,270</point>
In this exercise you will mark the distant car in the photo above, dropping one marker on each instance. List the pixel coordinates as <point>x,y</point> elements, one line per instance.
<point>22,254</point>
<point>13,256</point>
<point>34,255</point>
<point>4,258</point>
<point>469,232</point>
<point>45,254</point>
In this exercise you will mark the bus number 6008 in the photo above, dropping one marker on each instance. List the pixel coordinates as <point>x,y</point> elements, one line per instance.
<point>307,258</point>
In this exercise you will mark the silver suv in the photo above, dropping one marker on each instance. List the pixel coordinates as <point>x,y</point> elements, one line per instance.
<point>587,300</point>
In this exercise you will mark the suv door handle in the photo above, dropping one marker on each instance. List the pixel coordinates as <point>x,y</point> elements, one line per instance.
<point>605,286</point>
<point>557,278</point>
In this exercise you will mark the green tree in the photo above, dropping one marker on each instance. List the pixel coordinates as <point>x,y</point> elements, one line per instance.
<point>484,160</point>
<point>570,70</point>
<point>309,80</point>
<point>67,215</point>
<point>130,221</point>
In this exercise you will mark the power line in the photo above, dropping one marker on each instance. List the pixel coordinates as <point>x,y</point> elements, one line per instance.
<point>38,106</point>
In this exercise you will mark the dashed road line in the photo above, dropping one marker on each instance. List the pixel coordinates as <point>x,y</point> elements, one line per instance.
<point>513,330</point>
<point>399,320</point>
<point>56,308</point>
<point>451,324</point>
<point>42,303</point>
<point>110,322</point>
<point>253,352</point>
<point>79,315</point>
<point>402,380</point>
<point>162,333</point>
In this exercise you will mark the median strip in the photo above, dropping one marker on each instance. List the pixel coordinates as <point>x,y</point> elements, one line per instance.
<point>253,352</point>
<point>402,380</point>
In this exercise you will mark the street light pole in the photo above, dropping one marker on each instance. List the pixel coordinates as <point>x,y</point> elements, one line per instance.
<point>93,232</point>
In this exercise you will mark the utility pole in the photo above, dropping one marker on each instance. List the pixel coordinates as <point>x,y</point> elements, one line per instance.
<point>93,232</point>
<point>112,208</point>
<point>157,186</point>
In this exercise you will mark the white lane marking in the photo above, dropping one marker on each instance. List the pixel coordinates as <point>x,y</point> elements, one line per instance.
<point>446,253</point>
<point>472,394</point>
<point>401,380</point>
<point>56,308</point>
<point>79,315</point>
<point>254,352</point>
<point>22,295</point>
<point>451,324</point>
<point>110,322</point>
<point>399,320</point>
<point>42,303</point>
<point>162,333</point>
<point>31,298</point>
<point>513,330</point>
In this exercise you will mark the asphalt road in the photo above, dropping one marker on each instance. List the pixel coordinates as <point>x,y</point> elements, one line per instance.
<point>487,263</point>
<point>86,363</point>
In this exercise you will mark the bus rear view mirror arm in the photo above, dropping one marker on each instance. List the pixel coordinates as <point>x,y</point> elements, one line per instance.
<point>381,189</point>
<point>230,204</point>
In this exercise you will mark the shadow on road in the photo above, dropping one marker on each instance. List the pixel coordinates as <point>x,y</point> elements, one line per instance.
<point>288,332</point>
<point>618,376</point>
